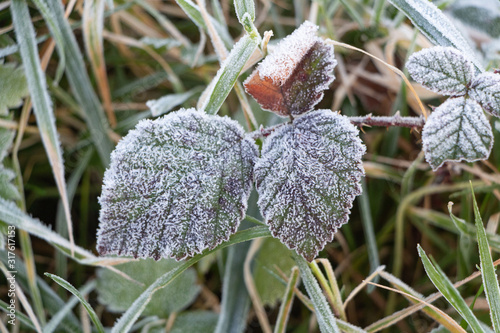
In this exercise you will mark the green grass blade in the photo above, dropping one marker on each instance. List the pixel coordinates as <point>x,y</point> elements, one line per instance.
<point>24,319</point>
<point>193,11</point>
<point>243,7</point>
<point>490,279</point>
<point>444,285</point>
<point>132,314</point>
<point>435,26</point>
<point>81,85</point>
<point>286,303</point>
<point>42,103</point>
<point>326,319</point>
<point>11,214</point>
<point>235,299</point>
<point>228,73</point>
<point>66,285</point>
<point>70,304</point>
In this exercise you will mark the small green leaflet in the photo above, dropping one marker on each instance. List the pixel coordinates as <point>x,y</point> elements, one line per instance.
<point>485,89</point>
<point>176,186</point>
<point>307,179</point>
<point>444,70</point>
<point>457,130</point>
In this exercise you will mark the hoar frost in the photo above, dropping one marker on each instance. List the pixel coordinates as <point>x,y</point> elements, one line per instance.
<point>176,186</point>
<point>307,179</point>
<point>291,80</point>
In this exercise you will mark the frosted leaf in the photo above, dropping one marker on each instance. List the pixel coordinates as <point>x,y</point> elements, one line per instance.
<point>457,130</point>
<point>291,80</point>
<point>13,87</point>
<point>176,186</point>
<point>485,89</point>
<point>307,179</point>
<point>444,70</point>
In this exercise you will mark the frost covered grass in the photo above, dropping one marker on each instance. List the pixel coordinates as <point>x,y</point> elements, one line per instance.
<point>103,70</point>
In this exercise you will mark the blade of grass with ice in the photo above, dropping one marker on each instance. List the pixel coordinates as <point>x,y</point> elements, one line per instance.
<point>66,285</point>
<point>228,73</point>
<point>42,104</point>
<point>490,279</point>
<point>435,25</point>
<point>243,7</point>
<point>128,319</point>
<point>444,285</point>
<point>81,85</point>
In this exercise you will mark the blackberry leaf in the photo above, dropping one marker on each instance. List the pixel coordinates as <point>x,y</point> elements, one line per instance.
<point>292,79</point>
<point>457,130</point>
<point>485,89</point>
<point>176,186</point>
<point>443,70</point>
<point>307,179</point>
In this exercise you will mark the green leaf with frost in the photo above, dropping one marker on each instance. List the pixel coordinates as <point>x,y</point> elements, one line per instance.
<point>7,189</point>
<point>118,293</point>
<point>444,70</point>
<point>307,179</point>
<point>195,322</point>
<point>176,186</point>
<point>433,24</point>
<point>485,89</point>
<point>273,257</point>
<point>457,130</point>
<point>6,140</point>
<point>13,87</point>
<point>243,7</point>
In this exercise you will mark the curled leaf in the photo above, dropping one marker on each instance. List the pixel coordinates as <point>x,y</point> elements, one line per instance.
<point>485,89</point>
<point>444,70</point>
<point>176,186</point>
<point>307,179</point>
<point>457,130</point>
<point>291,80</point>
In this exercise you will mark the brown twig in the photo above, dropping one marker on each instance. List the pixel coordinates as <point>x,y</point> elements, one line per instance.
<point>369,120</point>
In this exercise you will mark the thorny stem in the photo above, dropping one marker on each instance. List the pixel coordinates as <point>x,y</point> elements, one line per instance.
<point>369,120</point>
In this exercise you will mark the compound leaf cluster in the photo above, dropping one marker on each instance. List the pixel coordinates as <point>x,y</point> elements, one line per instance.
<point>458,129</point>
<point>176,186</point>
<point>307,178</point>
<point>291,80</point>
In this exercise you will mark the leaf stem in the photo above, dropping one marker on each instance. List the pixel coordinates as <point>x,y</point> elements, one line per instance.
<point>368,120</point>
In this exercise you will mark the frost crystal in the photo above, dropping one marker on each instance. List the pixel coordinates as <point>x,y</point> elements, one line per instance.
<point>443,70</point>
<point>485,89</point>
<point>176,186</point>
<point>291,80</point>
<point>307,179</point>
<point>457,130</point>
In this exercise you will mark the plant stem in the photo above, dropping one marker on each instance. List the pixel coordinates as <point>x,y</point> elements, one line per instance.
<point>369,120</point>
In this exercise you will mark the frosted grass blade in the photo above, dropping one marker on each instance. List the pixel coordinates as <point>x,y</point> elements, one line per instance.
<point>12,215</point>
<point>70,304</point>
<point>235,299</point>
<point>243,7</point>
<point>228,73</point>
<point>167,103</point>
<point>81,85</point>
<point>490,279</point>
<point>128,319</point>
<point>193,11</point>
<point>42,103</point>
<point>326,319</point>
<point>66,285</point>
<point>444,285</point>
<point>286,303</point>
<point>435,25</point>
